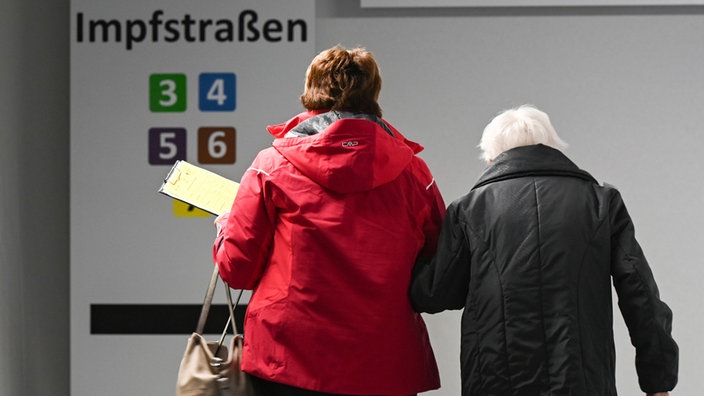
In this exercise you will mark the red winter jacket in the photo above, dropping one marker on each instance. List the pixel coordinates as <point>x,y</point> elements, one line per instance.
<point>325,229</point>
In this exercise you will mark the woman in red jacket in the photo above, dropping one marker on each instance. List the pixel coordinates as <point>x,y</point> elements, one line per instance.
<point>325,229</point>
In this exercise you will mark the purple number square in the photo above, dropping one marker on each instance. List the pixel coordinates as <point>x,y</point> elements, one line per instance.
<point>166,145</point>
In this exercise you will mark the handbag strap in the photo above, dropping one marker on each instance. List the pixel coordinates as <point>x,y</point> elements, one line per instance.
<point>209,300</point>
<point>232,306</point>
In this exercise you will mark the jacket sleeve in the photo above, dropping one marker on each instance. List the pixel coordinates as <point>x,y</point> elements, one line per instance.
<point>431,229</point>
<point>241,249</point>
<point>441,282</point>
<point>649,320</point>
<point>433,210</point>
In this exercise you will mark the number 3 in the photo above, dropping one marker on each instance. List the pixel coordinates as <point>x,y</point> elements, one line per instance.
<point>169,91</point>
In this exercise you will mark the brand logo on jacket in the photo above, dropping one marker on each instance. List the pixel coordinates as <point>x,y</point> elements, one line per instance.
<point>350,143</point>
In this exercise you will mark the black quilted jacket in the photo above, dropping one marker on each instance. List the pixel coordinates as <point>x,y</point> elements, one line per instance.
<point>530,254</point>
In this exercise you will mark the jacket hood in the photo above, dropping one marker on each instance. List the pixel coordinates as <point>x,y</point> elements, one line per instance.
<point>535,160</point>
<point>344,152</point>
<point>280,130</point>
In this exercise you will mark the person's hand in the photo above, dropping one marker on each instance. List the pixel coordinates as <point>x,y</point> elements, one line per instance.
<point>658,394</point>
<point>220,221</point>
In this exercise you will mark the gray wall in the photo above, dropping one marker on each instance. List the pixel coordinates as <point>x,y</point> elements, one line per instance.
<point>34,137</point>
<point>624,86</point>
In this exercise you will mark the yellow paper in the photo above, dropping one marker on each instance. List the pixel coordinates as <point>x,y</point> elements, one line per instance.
<point>182,209</point>
<point>200,187</point>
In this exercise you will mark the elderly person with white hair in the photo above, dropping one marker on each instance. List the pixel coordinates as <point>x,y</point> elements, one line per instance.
<point>530,253</point>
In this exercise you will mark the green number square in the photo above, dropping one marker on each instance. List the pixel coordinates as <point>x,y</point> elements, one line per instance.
<point>167,92</point>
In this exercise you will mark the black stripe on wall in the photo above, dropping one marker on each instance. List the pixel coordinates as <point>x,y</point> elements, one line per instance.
<point>159,319</point>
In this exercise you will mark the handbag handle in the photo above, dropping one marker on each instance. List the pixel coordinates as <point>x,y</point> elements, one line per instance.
<point>209,300</point>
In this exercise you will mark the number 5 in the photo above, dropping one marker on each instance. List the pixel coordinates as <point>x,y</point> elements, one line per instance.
<point>166,141</point>
<point>166,145</point>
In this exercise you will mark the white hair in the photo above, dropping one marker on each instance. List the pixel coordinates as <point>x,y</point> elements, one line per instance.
<point>521,126</point>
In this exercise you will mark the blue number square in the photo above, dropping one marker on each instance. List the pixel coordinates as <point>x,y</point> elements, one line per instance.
<point>217,91</point>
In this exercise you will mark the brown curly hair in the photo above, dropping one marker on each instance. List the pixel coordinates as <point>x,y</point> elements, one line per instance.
<point>341,79</point>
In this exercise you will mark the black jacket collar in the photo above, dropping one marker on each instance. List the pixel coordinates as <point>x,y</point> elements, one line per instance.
<point>536,160</point>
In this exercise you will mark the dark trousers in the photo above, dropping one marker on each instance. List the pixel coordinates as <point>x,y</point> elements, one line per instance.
<point>263,387</point>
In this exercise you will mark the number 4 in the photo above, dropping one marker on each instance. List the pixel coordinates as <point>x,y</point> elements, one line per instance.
<point>217,91</point>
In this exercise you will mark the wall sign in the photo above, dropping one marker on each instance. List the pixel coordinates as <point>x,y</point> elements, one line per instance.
<point>152,83</point>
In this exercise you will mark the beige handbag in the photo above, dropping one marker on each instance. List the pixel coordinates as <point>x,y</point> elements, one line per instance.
<point>210,368</point>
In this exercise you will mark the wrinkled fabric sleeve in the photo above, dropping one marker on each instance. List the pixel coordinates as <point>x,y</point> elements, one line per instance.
<point>241,250</point>
<point>434,221</point>
<point>649,320</point>
<point>441,282</point>
<point>436,209</point>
